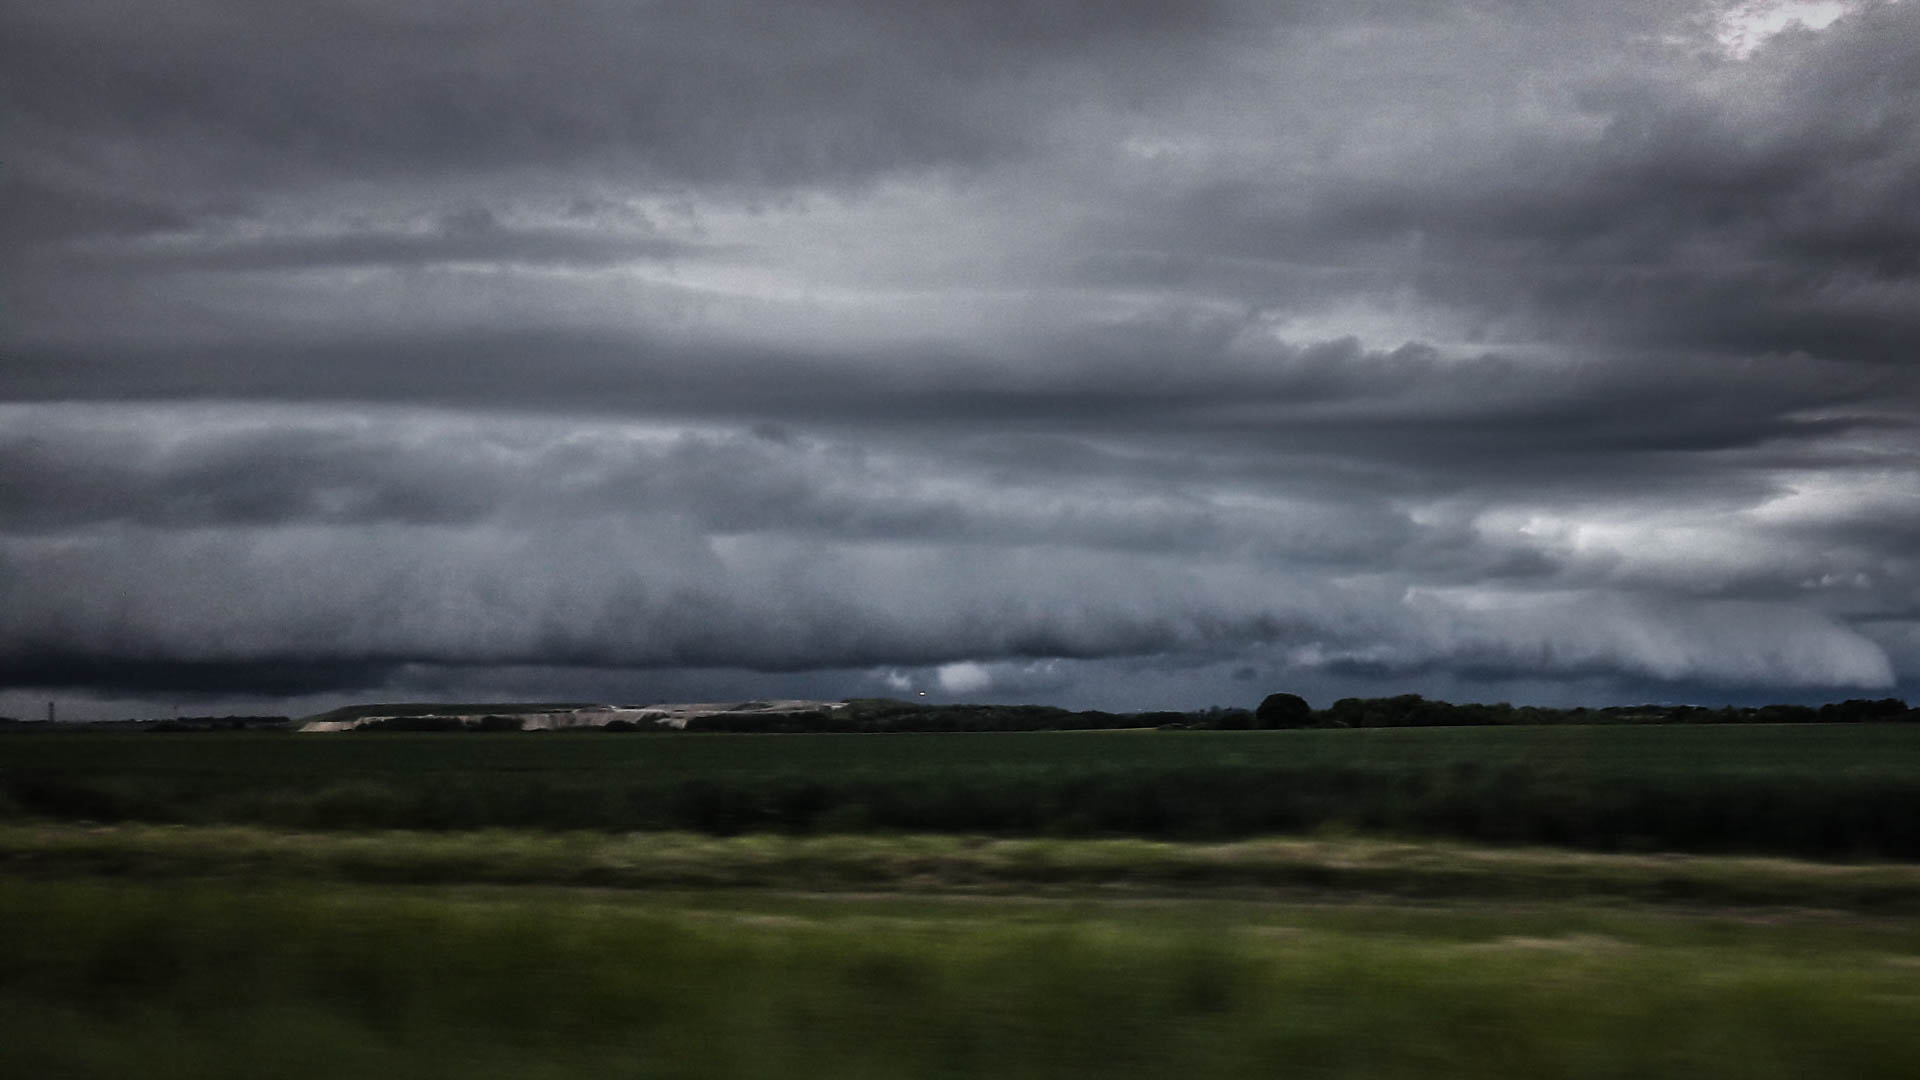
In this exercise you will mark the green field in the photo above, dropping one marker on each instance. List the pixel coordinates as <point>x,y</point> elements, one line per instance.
<point>1821,790</point>
<point>1292,869</point>
<point>1133,904</point>
<point>298,976</point>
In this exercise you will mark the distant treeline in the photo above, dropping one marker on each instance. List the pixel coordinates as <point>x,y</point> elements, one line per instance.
<point>1277,711</point>
<point>1412,710</point>
<point>437,722</point>
<point>884,714</point>
<point>857,717</point>
<point>877,715</point>
<point>172,723</point>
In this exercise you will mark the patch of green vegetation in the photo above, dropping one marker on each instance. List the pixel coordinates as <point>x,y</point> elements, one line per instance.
<point>1821,790</point>
<point>126,978</point>
<point>1317,867</point>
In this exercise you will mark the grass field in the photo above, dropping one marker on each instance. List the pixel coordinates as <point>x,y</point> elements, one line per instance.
<point>199,978</point>
<point>1826,790</point>
<point>1287,868</point>
<point>756,906</point>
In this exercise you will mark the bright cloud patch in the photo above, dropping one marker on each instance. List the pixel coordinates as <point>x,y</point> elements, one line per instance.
<point>965,677</point>
<point>1745,26</point>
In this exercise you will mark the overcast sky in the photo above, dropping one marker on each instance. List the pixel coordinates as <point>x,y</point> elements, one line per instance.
<point>1108,354</point>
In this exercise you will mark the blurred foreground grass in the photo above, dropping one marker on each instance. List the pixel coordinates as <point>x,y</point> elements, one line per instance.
<point>167,951</point>
<point>198,978</point>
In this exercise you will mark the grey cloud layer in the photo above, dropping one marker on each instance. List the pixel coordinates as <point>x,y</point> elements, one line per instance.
<point>1355,345</point>
<point>729,93</point>
<point>393,539</point>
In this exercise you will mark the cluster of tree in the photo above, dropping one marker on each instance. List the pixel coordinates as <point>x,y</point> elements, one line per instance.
<point>219,723</point>
<point>1412,710</point>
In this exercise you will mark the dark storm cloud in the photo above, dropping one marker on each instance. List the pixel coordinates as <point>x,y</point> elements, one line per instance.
<point>606,596</point>
<point>1756,206</point>
<point>1233,383</point>
<point>118,672</point>
<point>1078,350</point>
<point>32,212</point>
<point>394,540</point>
<point>136,472</point>
<point>523,598</point>
<point>731,93</point>
<point>1704,205</point>
<point>63,478</point>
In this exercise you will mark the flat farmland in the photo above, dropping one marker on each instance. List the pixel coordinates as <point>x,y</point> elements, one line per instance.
<point>1348,903</point>
<point>1820,790</point>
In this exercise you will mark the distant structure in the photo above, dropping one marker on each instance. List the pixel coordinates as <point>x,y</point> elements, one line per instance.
<point>49,712</point>
<point>509,717</point>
